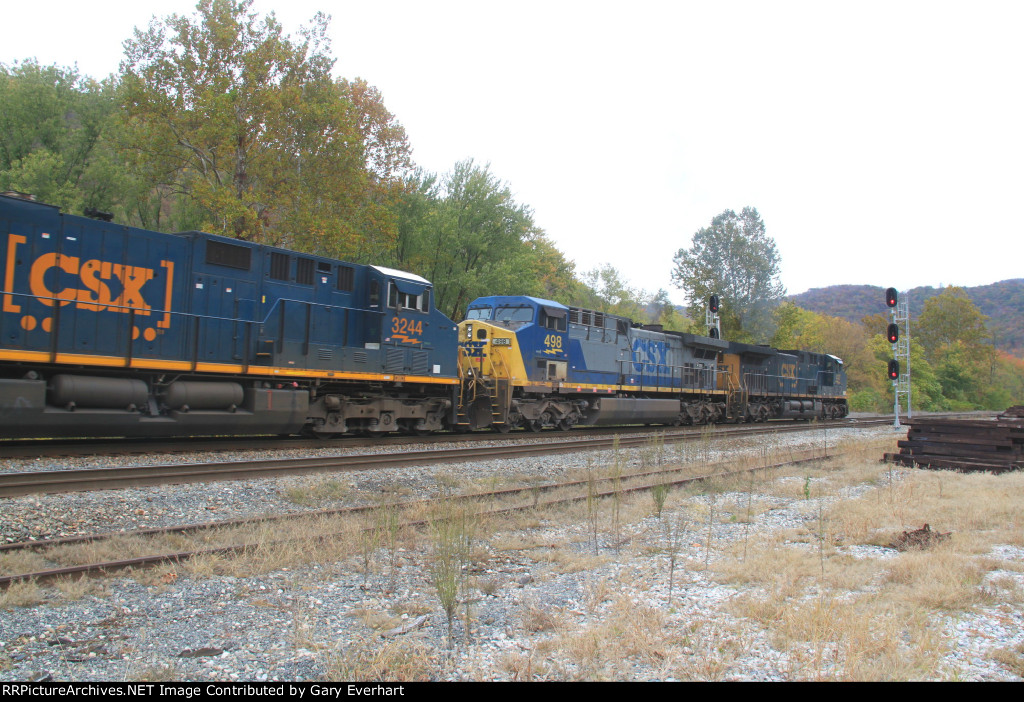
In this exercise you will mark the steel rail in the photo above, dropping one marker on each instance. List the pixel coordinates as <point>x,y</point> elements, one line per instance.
<point>62,448</point>
<point>156,559</point>
<point>16,484</point>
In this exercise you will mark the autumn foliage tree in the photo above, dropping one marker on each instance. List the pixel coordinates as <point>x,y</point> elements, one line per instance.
<point>248,126</point>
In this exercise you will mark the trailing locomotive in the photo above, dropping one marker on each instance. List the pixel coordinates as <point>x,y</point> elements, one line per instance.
<point>537,363</point>
<point>108,330</point>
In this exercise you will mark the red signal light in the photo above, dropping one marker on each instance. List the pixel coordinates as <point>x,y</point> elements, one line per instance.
<point>713,304</point>
<point>892,333</point>
<point>891,297</point>
<point>894,369</point>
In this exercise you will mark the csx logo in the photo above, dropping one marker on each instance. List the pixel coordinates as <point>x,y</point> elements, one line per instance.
<point>96,278</point>
<point>95,285</point>
<point>649,351</point>
<point>474,349</point>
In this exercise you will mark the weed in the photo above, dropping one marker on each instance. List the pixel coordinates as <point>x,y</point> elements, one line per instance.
<point>368,660</point>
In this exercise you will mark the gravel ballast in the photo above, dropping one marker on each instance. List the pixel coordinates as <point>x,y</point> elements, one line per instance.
<point>330,620</point>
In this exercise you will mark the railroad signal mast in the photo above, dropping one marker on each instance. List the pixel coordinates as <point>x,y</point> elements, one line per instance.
<point>711,319</point>
<point>898,334</point>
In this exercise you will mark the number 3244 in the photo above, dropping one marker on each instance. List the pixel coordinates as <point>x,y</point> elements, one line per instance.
<point>407,327</point>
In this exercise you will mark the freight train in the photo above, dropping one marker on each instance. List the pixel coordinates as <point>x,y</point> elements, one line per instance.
<point>110,330</point>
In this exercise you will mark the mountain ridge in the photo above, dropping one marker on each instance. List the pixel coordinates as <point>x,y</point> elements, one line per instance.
<point>1001,302</point>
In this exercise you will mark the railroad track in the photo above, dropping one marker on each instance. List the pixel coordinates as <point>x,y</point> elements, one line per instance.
<point>64,448</point>
<point>57,481</point>
<point>529,496</point>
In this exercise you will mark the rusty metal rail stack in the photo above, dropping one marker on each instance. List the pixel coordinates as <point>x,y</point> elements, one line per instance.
<point>966,445</point>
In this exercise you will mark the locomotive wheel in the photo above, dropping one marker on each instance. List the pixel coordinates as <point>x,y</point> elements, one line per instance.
<point>408,427</point>
<point>533,425</point>
<point>564,425</point>
<point>316,434</point>
<point>502,428</point>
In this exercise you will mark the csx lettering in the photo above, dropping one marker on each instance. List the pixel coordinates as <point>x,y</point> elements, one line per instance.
<point>95,295</point>
<point>474,349</point>
<point>649,351</point>
<point>788,370</point>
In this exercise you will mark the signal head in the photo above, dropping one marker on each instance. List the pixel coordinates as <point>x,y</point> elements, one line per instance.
<point>891,297</point>
<point>892,333</point>
<point>894,369</point>
<point>713,304</point>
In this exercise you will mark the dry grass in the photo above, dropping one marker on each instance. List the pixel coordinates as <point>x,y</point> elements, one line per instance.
<point>18,562</point>
<point>23,594</point>
<point>836,616</point>
<point>783,561</point>
<point>317,490</point>
<point>568,560</point>
<point>366,659</point>
<point>1011,658</point>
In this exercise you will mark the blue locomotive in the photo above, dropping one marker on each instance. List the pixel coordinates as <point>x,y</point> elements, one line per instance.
<point>537,363</point>
<point>108,330</point>
<point>111,330</point>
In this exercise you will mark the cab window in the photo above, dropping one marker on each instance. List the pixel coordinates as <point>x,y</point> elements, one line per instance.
<point>408,301</point>
<point>479,313</point>
<point>554,323</point>
<point>514,314</point>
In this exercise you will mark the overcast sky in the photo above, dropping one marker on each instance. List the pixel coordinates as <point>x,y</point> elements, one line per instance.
<point>860,131</point>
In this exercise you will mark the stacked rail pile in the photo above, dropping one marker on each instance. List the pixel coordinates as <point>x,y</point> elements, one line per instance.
<point>965,445</point>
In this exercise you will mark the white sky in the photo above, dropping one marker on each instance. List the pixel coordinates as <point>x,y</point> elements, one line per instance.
<point>627,126</point>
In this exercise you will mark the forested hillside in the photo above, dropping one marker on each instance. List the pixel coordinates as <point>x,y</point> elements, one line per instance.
<point>1002,303</point>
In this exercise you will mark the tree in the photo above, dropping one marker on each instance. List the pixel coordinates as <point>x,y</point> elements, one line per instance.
<point>468,235</point>
<point>55,130</point>
<point>952,332</point>
<point>553,276</point>
<point>735,259</point>
<point>610,293</point>
<point>249,128</point>
<point>666,314</point>
<point>950,317</point>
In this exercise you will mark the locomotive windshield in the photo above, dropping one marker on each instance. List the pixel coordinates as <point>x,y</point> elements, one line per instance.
<point>514,314</point>
<point>479,313</point>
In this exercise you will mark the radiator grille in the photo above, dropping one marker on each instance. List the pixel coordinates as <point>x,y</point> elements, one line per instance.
<point>420,362</point>
<point>395,361</point>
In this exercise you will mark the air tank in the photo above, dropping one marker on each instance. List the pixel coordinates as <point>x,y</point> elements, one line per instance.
<point>91,391</point>
<point>185,395</point>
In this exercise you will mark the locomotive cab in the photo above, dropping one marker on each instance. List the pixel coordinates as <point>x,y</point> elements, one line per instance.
<point>513,352</point>
<point>519,338</point>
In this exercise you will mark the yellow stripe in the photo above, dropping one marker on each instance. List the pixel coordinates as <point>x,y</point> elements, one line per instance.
<point>569,388</point>
<point>237,369</point>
